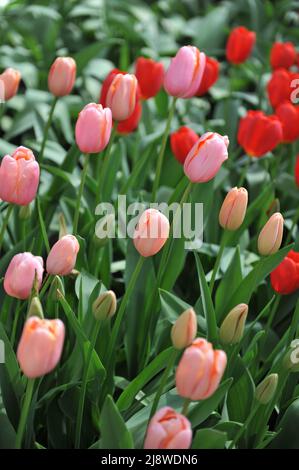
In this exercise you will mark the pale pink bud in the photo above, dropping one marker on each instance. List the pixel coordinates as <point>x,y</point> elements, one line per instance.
<point>206,157</point>
<point>185,72</point>
<point>40,346</point>
<point>184,330</point>
<point>63,255</point>
<point>168,430</point>
<point>270,237</point>
<point>200,370</point>
<point>20,275</point>
<point>19,177</point>
<point>233,209</point>
<point>9,83</point>
<point>121,96</point>
<point>93,128</point>
<point>151,233</point>
<point>62,76</point>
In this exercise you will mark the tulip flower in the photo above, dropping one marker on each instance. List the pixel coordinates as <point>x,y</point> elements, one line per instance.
<point>210,76</point>
<point>150,76</point>
<point>21,273</point>
<point>168,430</point>
<point>184,330</point>
<point>9,83</point>
<point>184,74</point>
<point>93,128</point>
<point>151,233</point>
<point>266,389</point>
<point>19,177</point>
<point>121,96</point>
<point>297,171</point>
<point>181,142</point>
<point>40,346</point>
<point>239,45</point>
<point>288,114</point>
<point>282,55</point>
<point>206,157</point>
<point>258,133</point>
<point>285,277</point>
<point>62,76</point>
<point>232,328</point>
<point>105,305</point>
<point>62,257</point>
<point>200,370</point>
<point>270,237</point>
<point>233,209</point>
<point>279,87</point>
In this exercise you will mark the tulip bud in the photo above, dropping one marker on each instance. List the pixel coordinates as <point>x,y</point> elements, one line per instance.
<point>9,83</point>
<point>184,330</point>
<point>56,285</point>
<point>121,96</point>
<point>151,233</point>
<point>270,237</point>
<point>93,128</point>
<point>168,430</point>
<point>62,76</point>
<point>104,306</point>
<point>232,328</point>
<point>63,255</point>
<point>291,359</point>
<point>35,309</point>
<point>23,272</point>
<point>25,212</point>
<point>266,389</point>
<point>233,209</point>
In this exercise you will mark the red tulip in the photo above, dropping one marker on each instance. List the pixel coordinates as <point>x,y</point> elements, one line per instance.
<point>210,76</point>
<point>258,133</point>
<point>288,115</point>
<point>282,55</point>
<point>239,45</point>
<point>279,87</point>
<point>285,277</point>
<point>181,142</point>
<point>150,76</point>
<point>297,171</point>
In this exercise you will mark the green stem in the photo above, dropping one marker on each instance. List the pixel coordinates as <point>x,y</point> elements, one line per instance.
<point>45,285</point>
<point>46,131</point>
<point>186,406</point>
<point>270,320</point>
<point>105,164</point>
<point>24,413</point>
<point>245,425</point>
<point>162,149</point>
<point>5,223</point>
<point>84,385</point>
<point>244,172</point>
<point>15,323</point>
<point>80,193</point>
<point>163,382</point>
<point>217,262</point>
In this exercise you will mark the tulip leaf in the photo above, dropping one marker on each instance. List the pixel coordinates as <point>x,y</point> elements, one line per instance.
<point>207,438</point>
<point>114,433</point>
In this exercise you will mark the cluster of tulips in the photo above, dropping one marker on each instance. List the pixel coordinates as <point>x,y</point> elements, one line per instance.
<point>190,73</point>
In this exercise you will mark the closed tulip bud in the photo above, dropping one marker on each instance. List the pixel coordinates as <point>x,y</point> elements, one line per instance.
<point>19,177</point>
<point>25,212</point>
<point>232,328</point>
<point>63,255</point>
<point>150,75</point>
<point>206,157</point>
<point>105,305</point>
<point>184,330</point>
<point>200,370</point>
<point>210,76</point>
<point>239,45</point>
<point>56,285</point>
<point>285,277</point>
<point>21,274</point>
<point>35,308</point>
<point>185,72</point>
<point>181,142</point>
<point>62,76</point>
<point>288,115</point>
<point>9,83</point>
<point>93,128</point>
<point>282,55</point>
<point>291,358</point>
<point>168,430</point>
<point>279,87</point>
<point>40,346</point>
<point>121,96</point>
<point>151,233</point>
<point>270,237</point>
<point>266,389</point>
<point>233,209</point>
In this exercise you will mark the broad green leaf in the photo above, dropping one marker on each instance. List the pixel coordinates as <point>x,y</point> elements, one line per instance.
<point>114,433</point>
<point>209,439</point>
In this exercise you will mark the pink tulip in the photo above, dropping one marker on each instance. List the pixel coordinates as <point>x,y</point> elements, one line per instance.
<point>93,128</point>
<point>151,232</point>
<point>200,370</point>
<point>9,83</point>
<point>206,157</point>
<point>168,430</point>
<point>185,72</point>
<point>20,275</point>
<point>19,177</point>
<point>62,257</point>
<point>121,96</point>
<point>40,346</point>
<point>62,76</point>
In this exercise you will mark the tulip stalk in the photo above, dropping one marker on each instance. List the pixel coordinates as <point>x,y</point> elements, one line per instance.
<point>47,128</point>
<point>244,427</point>
<point>80,193</point>
<point>24,413</point>
<point>218,260</point>
<point>162,149</point>
<point>5,223</point>
<point>185,407</point>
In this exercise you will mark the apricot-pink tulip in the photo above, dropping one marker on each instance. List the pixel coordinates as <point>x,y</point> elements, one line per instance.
<point>9,83</point>
<point>168,430</point>
<point>20,275</point>
<point>151,232</point>
<point>63,255</point>
<point>62,76</point>
<point>121,96</point>
<point>93,128</point>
